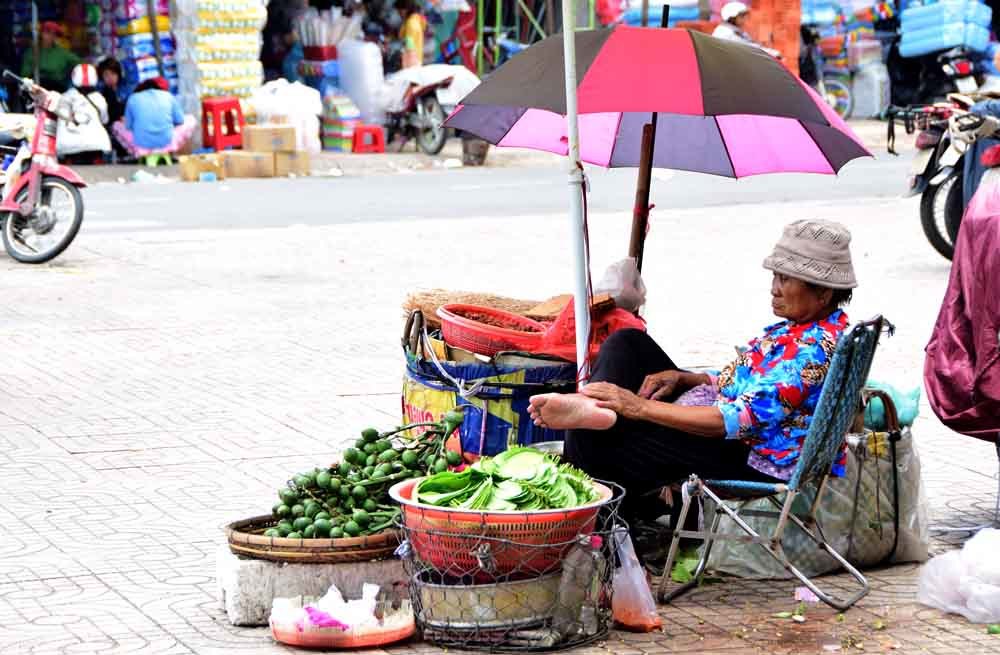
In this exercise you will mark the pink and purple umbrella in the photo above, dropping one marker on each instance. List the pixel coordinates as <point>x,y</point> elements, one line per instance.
<point>718,107</point>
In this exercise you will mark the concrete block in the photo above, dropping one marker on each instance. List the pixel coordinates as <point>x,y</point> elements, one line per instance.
<point>247,587</point>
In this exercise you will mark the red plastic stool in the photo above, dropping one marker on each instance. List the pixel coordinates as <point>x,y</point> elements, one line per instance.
<point>368,138</point>
<point>221,123</point>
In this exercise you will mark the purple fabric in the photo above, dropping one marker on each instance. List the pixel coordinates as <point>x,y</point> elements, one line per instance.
<point>704,395</point>
<point>962,364</point>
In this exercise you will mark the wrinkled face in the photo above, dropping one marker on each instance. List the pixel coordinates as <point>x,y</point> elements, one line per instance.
<point>797,301</point>
<point>110,78</point>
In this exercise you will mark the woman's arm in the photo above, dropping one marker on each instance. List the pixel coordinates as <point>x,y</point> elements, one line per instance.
<point>702,421</point>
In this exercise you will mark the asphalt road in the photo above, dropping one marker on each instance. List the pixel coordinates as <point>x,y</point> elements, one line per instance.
<point>455,193</point>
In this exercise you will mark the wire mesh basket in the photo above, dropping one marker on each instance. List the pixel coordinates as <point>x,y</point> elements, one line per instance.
<point>532,542</point>
<point>539,603</point>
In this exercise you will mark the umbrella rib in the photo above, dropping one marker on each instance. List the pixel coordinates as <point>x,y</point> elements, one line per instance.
<point>725,146</point>
<point>820,148</point>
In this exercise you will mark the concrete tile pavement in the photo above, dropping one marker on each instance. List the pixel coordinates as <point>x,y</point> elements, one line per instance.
<point>161,384</point>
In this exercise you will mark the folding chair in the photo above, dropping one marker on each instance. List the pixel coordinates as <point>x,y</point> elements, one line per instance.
<point>838,405</point>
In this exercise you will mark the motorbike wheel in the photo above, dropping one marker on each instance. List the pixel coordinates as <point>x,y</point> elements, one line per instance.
<point>837,94</point>
<point>954,208</point>
<point>431,139</point>
<point>936,204</point>
<point>42,236</point>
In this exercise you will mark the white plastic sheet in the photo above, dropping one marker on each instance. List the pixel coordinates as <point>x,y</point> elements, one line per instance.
<point>361,76</point>
<point>966,581</point>
<point>292,103</point>
<point>623,282</point>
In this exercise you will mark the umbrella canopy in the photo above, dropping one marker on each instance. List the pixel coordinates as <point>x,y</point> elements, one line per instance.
<point>722,107</point>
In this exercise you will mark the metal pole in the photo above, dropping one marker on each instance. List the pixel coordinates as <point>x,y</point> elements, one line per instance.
<point>497,33</point>
<point>581,293</point>
<point>36,48</point>
<point>645,13</point>
<point>157,49</point>
<point>481,42</point>
<point>640,212</point>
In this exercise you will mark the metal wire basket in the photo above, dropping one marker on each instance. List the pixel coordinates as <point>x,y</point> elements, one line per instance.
<point>532,542</point>
<point>468,601</point>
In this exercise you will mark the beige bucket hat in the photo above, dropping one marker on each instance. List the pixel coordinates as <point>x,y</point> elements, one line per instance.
<point>815,251</point>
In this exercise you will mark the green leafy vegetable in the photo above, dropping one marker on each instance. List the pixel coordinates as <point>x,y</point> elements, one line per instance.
<point>520,479</point>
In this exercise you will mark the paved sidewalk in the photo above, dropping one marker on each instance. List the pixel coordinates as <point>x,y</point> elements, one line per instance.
<point>160,384</point>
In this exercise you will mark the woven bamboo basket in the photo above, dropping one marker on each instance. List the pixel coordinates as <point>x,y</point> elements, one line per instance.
<point>246,539</point>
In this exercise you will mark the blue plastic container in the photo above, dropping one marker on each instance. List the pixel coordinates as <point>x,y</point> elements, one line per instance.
<point>917,43</point>
<point>944,13</point>
<point>633,16</point>
<point>819,13</point>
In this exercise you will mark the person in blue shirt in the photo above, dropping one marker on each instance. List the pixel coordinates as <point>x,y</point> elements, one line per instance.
<point>154,122</point>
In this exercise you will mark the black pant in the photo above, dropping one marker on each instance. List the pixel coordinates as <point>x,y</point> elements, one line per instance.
<point>640,456</point>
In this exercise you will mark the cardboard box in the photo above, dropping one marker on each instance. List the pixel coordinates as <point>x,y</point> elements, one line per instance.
<point>242,163</point>
<point>198,168</point>
<point>291,163</point>
<point>269,138</point>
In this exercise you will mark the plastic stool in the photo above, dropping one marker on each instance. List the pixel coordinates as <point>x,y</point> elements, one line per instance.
<point>368,138</point>
<point>217,134</point>
<point>154,159</point>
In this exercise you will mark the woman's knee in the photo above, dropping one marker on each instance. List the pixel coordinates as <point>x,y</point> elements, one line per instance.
<point>626,339</point>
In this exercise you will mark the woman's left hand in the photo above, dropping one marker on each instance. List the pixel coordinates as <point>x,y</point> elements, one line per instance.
<point>621,401</point>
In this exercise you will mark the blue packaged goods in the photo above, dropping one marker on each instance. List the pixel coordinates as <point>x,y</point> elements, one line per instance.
<point>935,39</point>
<point>944,13</point>
<point>142,45</point>
<point>494,399</point>
<point>819,13</point>
<point>633,15</point>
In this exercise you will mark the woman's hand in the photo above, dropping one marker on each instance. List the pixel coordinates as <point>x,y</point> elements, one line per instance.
<point>621,401</point>
<point>660,385</point>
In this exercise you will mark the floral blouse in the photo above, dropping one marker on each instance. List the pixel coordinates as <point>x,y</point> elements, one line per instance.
<point>767,396</point>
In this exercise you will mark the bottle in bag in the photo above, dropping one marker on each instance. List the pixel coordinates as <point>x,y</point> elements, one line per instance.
<point>632,602</point>
<point>577,589</point>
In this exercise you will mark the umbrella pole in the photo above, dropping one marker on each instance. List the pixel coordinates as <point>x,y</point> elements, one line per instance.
<point>581,290</point>
<point>640,212</point>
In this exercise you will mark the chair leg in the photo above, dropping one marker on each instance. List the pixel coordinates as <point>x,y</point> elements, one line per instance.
<point>821,542</point>
<point>675,541</point>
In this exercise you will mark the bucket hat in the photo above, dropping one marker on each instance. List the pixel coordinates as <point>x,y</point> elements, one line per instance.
<point>815,251</point>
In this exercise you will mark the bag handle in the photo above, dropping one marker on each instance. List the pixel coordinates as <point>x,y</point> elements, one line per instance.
<point>895,433</point>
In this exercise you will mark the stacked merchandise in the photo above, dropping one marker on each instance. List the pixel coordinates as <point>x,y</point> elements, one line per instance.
<point>340,117</point>
<point>821,13</point>
<point>135,30</point>
<point>945,25</point>
<point>218,48</point>
<point>682,10</point>
<point>320,33</point>
<point>93,18</point>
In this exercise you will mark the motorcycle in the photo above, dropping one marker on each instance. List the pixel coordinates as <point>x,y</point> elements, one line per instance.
<point>937,172</point>
<point>41,209</point>
<point>418,100</point>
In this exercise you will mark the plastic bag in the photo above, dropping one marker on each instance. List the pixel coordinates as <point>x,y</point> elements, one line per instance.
<point>863,535</point>
<point>623,282</point>
<point>292,103</point>
<point>632,602</point>
<point>907,405</point>
<point>965,581</point>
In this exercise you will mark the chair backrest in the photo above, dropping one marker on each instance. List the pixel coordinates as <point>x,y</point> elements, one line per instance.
<point>838,402</point>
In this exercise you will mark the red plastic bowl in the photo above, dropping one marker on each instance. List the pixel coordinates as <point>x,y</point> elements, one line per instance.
<point>485,339</point>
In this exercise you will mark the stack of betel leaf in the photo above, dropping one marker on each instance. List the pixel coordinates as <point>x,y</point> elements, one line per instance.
<point>350,498</point>
<point>519,479</point>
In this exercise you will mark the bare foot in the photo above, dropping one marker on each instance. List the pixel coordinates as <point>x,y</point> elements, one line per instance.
<point>569,412</point>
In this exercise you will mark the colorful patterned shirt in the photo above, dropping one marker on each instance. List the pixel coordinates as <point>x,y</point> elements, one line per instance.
<point>767,396</point>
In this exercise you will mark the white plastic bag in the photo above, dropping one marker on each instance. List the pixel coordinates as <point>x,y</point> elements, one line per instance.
<point>632,602</point>
<point>292,103</point>
<point>965,581</point>
<point>623,282</point>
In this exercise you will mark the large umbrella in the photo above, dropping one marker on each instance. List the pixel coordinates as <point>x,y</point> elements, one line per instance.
<point>667,98</point>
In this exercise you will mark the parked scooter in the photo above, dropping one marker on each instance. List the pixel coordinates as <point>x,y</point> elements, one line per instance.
<point>937,172</point>
<point>418,100</point>
<point>41,208</point>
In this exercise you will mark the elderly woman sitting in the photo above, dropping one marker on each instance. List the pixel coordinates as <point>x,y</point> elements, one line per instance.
<point>646,424</point>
